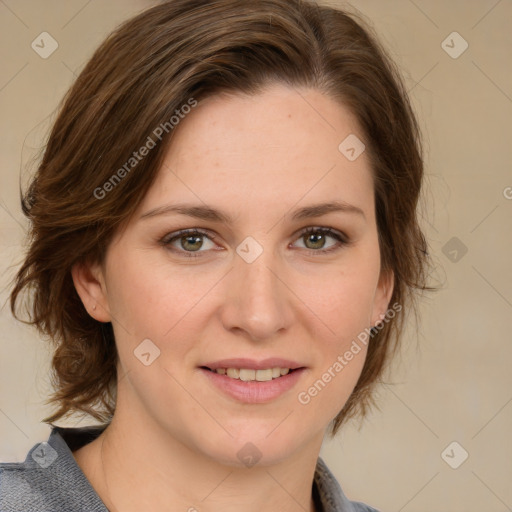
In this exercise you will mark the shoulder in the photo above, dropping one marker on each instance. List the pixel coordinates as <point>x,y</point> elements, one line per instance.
<point>49,480</point>
<point>331,495</point>
<point>20,488</point>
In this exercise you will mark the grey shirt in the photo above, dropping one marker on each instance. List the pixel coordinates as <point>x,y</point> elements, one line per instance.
<point>50,480</point>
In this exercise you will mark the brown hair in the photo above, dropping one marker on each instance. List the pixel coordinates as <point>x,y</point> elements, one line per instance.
<point>136,81</point>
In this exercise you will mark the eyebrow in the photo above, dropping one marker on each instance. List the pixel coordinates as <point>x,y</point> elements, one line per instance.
<point>204,212</point>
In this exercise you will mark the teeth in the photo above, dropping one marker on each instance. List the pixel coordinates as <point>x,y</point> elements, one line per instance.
<point>263,375</point>
<point>234,373</point>
<point>247,375</point>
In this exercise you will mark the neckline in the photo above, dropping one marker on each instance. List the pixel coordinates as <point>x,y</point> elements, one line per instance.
<point>326,492</point>
<point>77,437</point>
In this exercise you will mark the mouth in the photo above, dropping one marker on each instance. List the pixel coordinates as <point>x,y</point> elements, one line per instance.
<point>250,374</point>
<point>253,382</point>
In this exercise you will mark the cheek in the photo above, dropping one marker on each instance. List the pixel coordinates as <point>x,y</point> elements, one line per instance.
<point>329,388</point>
<point>342,346</point>
<point>149,296</point>
<point>343,304</point>
<point>343,299</point>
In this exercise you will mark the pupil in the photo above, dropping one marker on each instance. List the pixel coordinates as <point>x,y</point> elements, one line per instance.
<point>196,239</point>
<point>317,239</point>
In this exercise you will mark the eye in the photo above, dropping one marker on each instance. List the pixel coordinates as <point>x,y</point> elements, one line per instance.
<point>315,237</point>
<point>189,241</point>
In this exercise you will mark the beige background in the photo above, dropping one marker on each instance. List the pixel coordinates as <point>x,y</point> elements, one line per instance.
<point>453,382</point>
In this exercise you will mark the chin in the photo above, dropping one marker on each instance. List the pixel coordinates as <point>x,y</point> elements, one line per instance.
<point>255,446</point>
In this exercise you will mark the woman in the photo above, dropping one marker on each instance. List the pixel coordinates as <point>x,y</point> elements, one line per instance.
<point>224,244</point>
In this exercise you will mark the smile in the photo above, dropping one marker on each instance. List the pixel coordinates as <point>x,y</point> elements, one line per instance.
<point>253,386</point>
<point>248,374</point>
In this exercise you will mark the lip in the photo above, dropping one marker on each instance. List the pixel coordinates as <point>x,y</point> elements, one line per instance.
<point>251,364</point>
<point>253,392</point>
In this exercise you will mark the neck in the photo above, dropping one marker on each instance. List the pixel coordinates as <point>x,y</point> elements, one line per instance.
<point>135,465</point>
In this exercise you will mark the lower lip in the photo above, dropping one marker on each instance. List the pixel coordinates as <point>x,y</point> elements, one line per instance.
<point>254,392</point>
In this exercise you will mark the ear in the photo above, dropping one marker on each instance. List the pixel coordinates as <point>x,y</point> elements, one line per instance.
<point>89,283</point>
<point>382,297</point>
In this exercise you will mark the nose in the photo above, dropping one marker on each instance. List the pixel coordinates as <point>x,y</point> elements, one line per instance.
<point>258,301</point>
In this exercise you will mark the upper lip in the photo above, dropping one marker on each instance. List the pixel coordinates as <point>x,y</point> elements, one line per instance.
<point>252,364</point>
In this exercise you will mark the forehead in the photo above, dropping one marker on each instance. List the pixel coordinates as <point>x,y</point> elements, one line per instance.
<point>281,144</point>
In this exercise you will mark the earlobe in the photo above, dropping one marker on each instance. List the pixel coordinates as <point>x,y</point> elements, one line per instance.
<point>90,286</point>
<point>383,296</point>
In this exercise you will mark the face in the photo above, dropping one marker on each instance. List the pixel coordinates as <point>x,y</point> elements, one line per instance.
<point>260,279</point>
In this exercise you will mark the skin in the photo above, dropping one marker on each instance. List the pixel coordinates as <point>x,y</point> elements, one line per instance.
<point>174,438</point>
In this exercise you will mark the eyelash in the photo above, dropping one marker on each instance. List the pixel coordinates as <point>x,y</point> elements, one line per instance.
<point>339,237</point>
